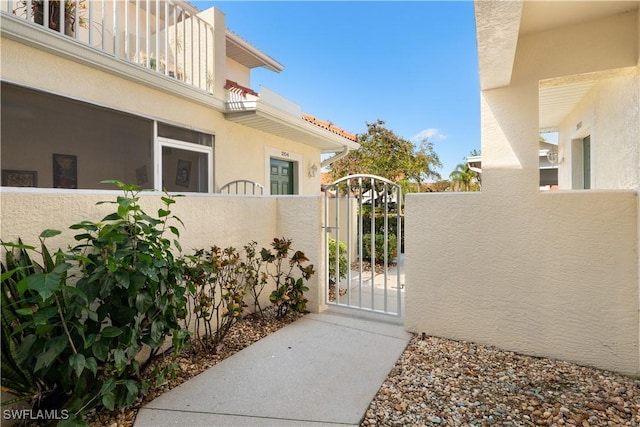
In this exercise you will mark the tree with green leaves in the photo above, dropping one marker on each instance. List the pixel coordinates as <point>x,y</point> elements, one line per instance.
<point>385,154</point>
<point>462,177</point>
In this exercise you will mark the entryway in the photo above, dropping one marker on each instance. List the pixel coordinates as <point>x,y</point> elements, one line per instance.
<point>364,267</point>
<point>281,176</point>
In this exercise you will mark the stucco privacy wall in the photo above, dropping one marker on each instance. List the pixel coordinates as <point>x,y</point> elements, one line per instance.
<point>239,151</point>
<point>220,220</point>
<point>209,220</point>
<point>555,275</point>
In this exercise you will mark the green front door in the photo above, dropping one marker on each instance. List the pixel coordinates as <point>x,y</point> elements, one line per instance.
<point>281,177</point>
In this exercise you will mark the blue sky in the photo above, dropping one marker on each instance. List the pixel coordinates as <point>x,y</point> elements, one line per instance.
<point>412,64</point>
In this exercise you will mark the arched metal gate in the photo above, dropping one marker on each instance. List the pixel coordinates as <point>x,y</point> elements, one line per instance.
<point>363,244</point>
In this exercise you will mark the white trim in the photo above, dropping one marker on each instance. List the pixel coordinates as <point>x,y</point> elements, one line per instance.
<point>157,159</point>
<point>296,158</point>
<point>182,145</point>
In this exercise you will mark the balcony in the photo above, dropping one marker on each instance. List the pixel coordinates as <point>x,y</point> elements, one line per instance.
<point>162,36</point>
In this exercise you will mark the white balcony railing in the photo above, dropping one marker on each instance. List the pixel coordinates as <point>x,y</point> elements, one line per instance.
<point>160,35</point>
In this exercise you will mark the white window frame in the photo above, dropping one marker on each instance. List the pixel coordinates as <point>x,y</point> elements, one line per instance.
<point>161,142</point>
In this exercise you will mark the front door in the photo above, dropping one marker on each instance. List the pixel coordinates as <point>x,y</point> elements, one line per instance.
<point>281,177</point>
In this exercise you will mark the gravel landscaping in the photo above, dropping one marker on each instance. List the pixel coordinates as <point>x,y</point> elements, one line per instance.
<point>455,383</point>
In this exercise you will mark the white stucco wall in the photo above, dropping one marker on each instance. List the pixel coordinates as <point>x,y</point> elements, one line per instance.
<point>554,275</point>
<point>238,73</point>
<point>299,218</point>
<point>209,220</point>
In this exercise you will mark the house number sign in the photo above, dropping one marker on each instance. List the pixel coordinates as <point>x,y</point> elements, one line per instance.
<point>284,154</point>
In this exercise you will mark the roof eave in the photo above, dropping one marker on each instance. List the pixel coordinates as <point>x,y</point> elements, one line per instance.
<point>261,58</point>
<point>265,117</point>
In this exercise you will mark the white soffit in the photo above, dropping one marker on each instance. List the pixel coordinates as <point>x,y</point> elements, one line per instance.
<point>248,55</point>
<point>556,102</point>
<point>546,15</point>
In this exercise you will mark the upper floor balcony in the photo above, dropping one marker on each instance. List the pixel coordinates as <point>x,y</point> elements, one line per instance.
<point>162,36</point>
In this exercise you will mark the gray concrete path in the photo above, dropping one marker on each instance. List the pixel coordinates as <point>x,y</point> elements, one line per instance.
<point>323,369</point>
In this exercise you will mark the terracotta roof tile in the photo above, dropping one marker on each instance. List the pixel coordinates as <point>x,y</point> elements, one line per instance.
<point>330,127</point>
<point>242,90</point>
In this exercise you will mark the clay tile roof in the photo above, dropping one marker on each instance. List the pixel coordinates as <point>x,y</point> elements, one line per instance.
<point>330,127</point>
<point>242,90</point>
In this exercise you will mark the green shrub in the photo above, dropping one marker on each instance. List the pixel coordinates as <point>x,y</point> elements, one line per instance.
<point>392,223</point>
<point>255,278</point>
<point>80,342</point>
<point>392,250</point>
<point>134,281</point>
<point>215,280</point>
<point>289,293</point>
<point>342,261</point>
<point>41,329</point>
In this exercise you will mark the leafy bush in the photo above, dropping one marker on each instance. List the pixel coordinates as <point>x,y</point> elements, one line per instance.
<point>131,276</point>
<point>255,279</point>
<point>216,287</point>
<point>81,342</point>
<point>392,250</point>
<point>392,223</point>
<point>342,261</point>
<point>289,293</point>
<point>40,335</point>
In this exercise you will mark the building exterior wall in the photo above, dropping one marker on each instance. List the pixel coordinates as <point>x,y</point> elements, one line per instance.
<point>238,73</point>
<point>552,274</point>
<point>609,114</point>
<point>239,151</point>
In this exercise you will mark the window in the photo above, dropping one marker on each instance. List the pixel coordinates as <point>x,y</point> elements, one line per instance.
<point>185,166</point>
<point>49,136</point>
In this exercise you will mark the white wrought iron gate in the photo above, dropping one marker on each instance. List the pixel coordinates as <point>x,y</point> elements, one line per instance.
<point>363,244</point>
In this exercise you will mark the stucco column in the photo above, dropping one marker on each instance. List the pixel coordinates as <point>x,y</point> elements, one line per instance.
<point>510,139</point>
<point>217,18</point>
<point>300,219</point>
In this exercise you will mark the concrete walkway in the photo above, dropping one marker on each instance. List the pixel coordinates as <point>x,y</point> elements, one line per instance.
<point>323,369</point>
